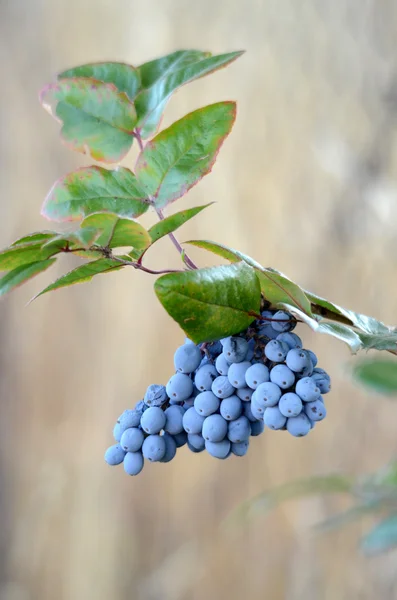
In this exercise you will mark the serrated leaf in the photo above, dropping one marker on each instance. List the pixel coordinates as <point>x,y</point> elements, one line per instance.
<point>163,76</point>
<point>125,77</point>
<point>95,189</point>
<point>23,254</point>
<point>379,374</point>
<point>23,273</point>
<point>173,222</point>
<point>96,118</point>
<point>82,274</point>
<point>276,288</point>
<point>118,232</point>
<point>382,537</point>
<point>178,157</point>
<point>211,303</point>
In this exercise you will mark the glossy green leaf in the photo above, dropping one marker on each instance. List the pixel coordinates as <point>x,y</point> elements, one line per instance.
<point>23,254</point>
<point>211,303</point>
<point>37,236</point>
<point>21,274</point>
<point>80,238</point>
<point>96,118</point>
<point>382,537</point>
<point>379,374</point>
<point>118,232</point>
<point>276,288</point>
<point>82,274</point>
<point>163,76</point>
<point>171,223</point>
<point>178,157</point>
<point>125,77</point>
<point>94,189</point>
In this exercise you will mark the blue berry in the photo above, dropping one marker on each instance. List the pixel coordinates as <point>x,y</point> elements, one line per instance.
<point>267,394</point>
<point>114,455</point>
<point>322,380</point>
<point>312,357</point>
<point>231,408</point>
<point>298,360</point>
<point>214,428</point>
<point>282,376</point>
<point>245,394</point>
<point>235,349</point>
<point>283,322</point>
<point>273,418</point>
<point>153,420</point>
<point>251,350</point>
<point>236,374</point>
<point>221,364</point>
<point>247,411</point>
<point>180,386</point>
<point>133,463</point>
<point>129,418</point>
<point>153,448</point>
<point>257,410</point>
<point>291,339</point>
<point>170,448</point>
<point>192,421</point>
<point>239,430</point>
<point>275,351</point>
<point>257,427</point>
<point>132,439</point>
<point>316,410</point>
<point>206,403</point>
<point>221,387</point>
<point>257,374</point>
<point>307,389</point>
<point>298,426</point>
<point>196,441</point>
<point>155,395</point>
<point>188,403</point>
<point>214,349</point>
<point>290,405</point>
<point>117,432</point>
<point>187,358</point>
<point>240,448</point>
<point>174,419</point>
<point>204,377</point>
<point>218,449</point>
<point>180,439</point>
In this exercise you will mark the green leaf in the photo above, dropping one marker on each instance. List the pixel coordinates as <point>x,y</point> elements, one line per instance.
<point>379,374</point>
<point>382,537</point>
<point>178,157</point>
<point>96,118</point>
<point>211,303</point>
<point>94,189</point>
<point>171,223</point>
<point>80,238</point>
<point>21,274</point>
<point>37,236</point>
<point>118,232</point>
<point>276,288</point>
<point>125,77</point>
<point>82,274</point>
<point>163,76</point>
<point>23,254</point>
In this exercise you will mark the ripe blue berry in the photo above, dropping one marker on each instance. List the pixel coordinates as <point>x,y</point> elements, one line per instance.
<point>206,403</point>
<point>282,376</point>
<point>231,408</point>
<point>174,419</point>
<point>283,322</point>
<point>236,374</point>
<point>290,405</point>
<point>133,463</point>
<point>155,395</point>
<point>196,441</point>
<point>298,360</point>
<point>180,439</point>
<point>192,421</point>
<point>257,374</point>
<point>273,418</point>
<point>312,357</point>
<point>298,426</point>
<point>267,394</point>
<point>214,428</point>
<point>257,427</point>
<point>129,418</point>
<point>170,448</point>
<point>132,439</point>
<point>257,410</point>
<point>240,448</point>
<point>235,349</point>
<point>239,430</point>
<point>245,394</point>
<point>221,364</point>
<point>153,448</point>
<point>114,455</point>
<point>307,389</point>
<point>221,387</point>
<point>180,386</point>
<point>275,351</point>
<point>153,420</point>
<point>187,358</point>
<point>291,339</point>
<point>117,432</point>
<point>204,377</point>
<point>316,410</point>
<point>218,449</point>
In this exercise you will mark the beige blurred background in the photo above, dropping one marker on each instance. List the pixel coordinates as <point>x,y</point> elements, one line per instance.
<point>307,183</point>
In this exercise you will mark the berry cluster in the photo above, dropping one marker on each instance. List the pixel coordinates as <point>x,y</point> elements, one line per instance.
<point>224,392</point>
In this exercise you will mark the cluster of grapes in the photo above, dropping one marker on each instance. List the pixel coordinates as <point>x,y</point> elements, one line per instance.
<point>224,392</point>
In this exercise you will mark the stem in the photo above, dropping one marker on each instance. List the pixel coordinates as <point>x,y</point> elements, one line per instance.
<point>140,267</point>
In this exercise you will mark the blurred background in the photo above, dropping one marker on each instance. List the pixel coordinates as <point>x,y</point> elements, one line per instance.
<point>307,183</point>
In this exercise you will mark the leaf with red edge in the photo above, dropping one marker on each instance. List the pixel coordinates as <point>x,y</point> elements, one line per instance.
<point>23,273</point>
<point>178,157</point>
<point>95,189</point>
<point>125,77</point>
<point>96,118</point>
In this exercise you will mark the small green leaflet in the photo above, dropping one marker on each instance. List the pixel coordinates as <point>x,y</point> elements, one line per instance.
<point>171,223</point>
<point>24,254</point>
<point>80,238</point>
<point>211,303</point>
<point>116,232</point>
<point>163,76</point>
<point>178,157</point>
<point>378,374</point>
<point>96,118</point>
<point>37,236</point>
<point>82,274</point>
<point>95,189</point>
<point>124,77</point>
<point>23,273</point>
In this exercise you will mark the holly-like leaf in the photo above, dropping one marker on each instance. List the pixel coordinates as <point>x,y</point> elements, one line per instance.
<point>23,254</point>
<point>116,232</point>
<point>95,189</point>
<point>382,537</point>
<point>125,77</point>
<point>379,374</point>
<point>82,274</point>
<point>96,118</point>
<point>211,303</point>
<point>276,288</point>
<point>178,157</point>
<point>23,273</point>
<point>173,222</point>
<point>163,76</point>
